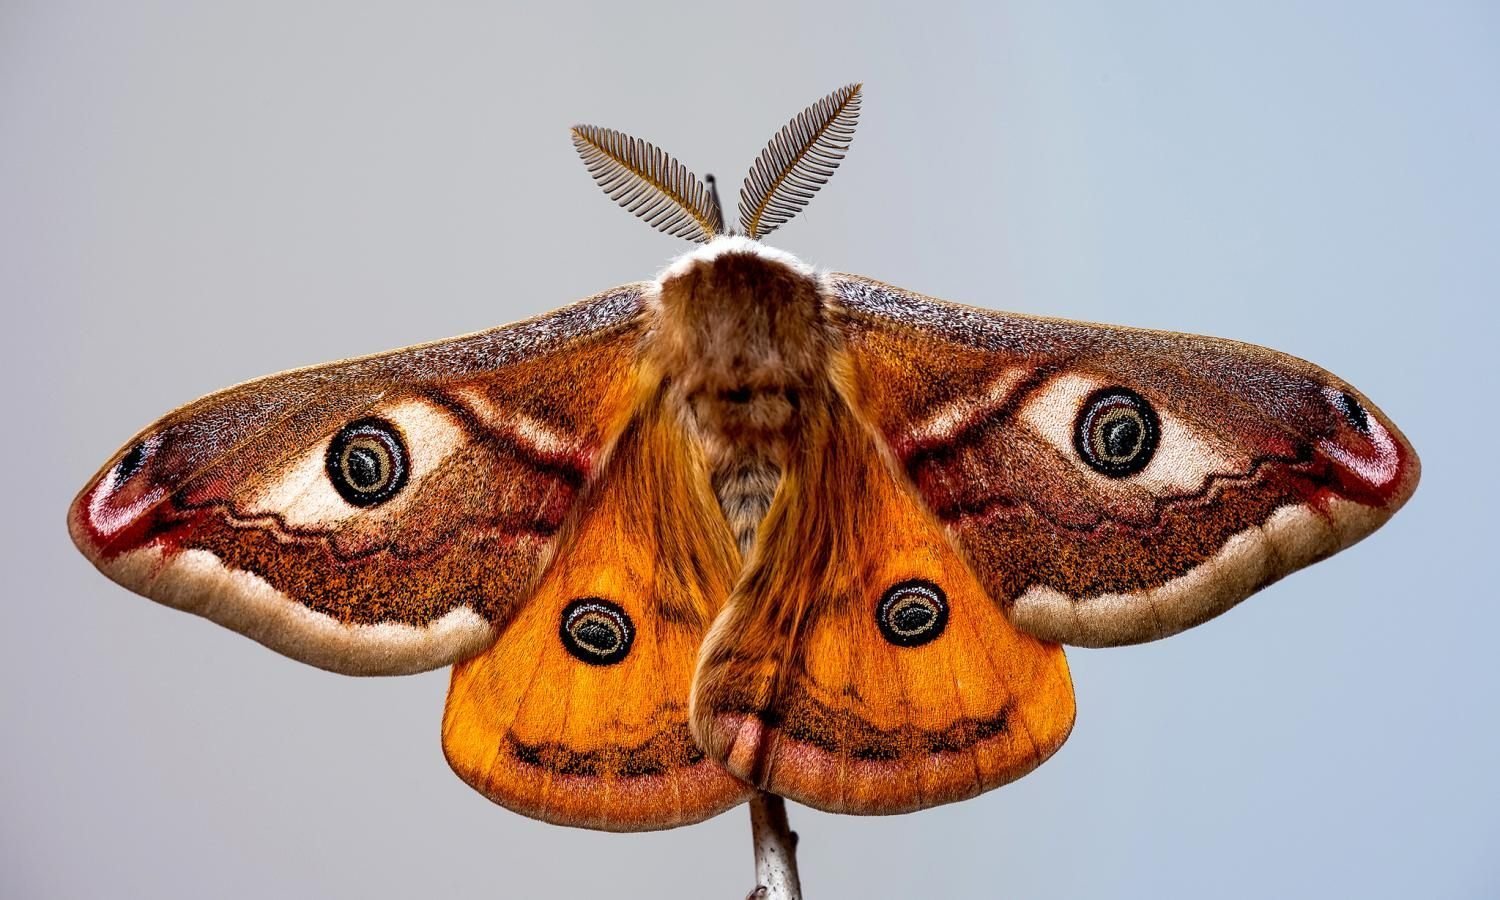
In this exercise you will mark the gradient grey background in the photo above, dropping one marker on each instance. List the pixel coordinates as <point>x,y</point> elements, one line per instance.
<point>192,195</point>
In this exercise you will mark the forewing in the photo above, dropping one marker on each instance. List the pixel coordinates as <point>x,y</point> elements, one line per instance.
<point>380,515</point>
<point>1261,463</point>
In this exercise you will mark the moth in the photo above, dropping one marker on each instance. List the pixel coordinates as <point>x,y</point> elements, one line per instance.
<point>748,525</point>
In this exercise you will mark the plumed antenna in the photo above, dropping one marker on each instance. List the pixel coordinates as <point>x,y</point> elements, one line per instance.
<point>657,188</point>
<point>799,160</point>
<point>649,183</point>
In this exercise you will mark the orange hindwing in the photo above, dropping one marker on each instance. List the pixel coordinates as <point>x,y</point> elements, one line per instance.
<point>578,713</point>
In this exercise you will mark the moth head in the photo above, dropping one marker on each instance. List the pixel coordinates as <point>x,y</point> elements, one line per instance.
<point>799,160</point>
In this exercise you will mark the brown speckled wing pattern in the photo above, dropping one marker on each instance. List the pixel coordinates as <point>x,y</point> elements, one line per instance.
<point>747,526</point>
<point>1264,462</point>
<point>225,507</point>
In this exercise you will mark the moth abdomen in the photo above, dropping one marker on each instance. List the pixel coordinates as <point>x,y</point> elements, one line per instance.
<point>744,486</point>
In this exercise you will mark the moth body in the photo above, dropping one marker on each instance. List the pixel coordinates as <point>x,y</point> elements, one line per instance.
<point>739,335</point>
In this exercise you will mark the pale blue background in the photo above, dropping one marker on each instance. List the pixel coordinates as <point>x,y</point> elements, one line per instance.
<point>191,196</point>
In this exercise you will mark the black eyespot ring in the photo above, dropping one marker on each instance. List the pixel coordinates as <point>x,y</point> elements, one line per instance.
<point>1354,413</point>
<point>596,631</point>
<point>367,462</point>
<point>912,613</point>
<point>1117,432</point>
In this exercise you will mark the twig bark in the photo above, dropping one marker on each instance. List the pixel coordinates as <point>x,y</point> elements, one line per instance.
<point>775,850</point>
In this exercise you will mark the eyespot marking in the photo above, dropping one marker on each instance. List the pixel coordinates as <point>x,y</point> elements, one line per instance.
<point>596,631</point>
<point>912,613</point>
<point>1117,432</point>
<point>367,462</point>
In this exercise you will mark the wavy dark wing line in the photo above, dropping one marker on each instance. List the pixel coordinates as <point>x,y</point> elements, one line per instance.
<point>1265,464</point>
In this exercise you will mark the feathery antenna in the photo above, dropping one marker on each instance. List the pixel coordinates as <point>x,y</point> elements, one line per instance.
<point>649,183</point>
<point>799,160</point>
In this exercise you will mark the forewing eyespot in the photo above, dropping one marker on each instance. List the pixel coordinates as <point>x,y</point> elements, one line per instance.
<point>912,613</point>
<point>1117,432</point>
<point>596,631</point>
<point>367,462</point>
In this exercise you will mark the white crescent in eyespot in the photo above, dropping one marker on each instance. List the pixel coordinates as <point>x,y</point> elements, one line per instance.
<point>1185,458</point>
<point>303,497</point>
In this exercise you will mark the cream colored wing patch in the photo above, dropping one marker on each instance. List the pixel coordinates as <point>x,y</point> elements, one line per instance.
<point>196,581</point>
